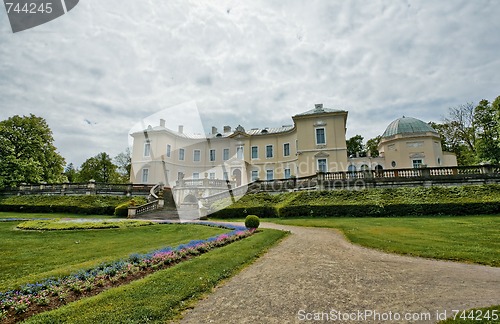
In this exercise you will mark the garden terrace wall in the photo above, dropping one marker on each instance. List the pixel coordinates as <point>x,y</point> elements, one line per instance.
<point>459,200</point>
<point>90,205</point>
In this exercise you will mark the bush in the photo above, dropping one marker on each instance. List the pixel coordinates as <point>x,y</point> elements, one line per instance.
<point>122,209</point>
<point>252,221</point>
<point>90,205</point>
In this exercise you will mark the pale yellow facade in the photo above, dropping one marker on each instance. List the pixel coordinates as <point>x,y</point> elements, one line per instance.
<point>316,142</point>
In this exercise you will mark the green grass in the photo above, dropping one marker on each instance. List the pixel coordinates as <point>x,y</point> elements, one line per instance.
<point>29,256</point>
<point>470,239</point>
<point>163,295</point>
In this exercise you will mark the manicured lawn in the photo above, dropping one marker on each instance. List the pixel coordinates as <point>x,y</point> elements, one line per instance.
<point>163,295</point>
<point>471,239</point>
<point>29,256</point>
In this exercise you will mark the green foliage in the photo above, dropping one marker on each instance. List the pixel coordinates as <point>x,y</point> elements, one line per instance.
<point>123,161</point>
<point>90,205</point>
<point>70,173</point>
<point>146,300</point>
<point>486,120</point>
<point>260,204</point>
<point>27,153</point>
<point>122,209</point>
<point>252,221</point>
<point>372,145</point>
<point>99,168</point>
<point>418,201</point>
<point>472,132</point>
<point>58,224</point>
<point>354,145</point>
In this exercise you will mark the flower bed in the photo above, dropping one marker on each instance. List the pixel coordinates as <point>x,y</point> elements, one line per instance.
<point>80,224</point>
<point>51,293</point>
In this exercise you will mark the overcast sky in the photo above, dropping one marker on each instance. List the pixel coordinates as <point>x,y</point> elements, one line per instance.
<point>100,69</point>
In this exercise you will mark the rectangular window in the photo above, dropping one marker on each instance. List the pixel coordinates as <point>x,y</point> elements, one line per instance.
<point>255,175</point>
<point>225,154</point>
<point>181,154</point>
<point>212,175</point>
<point>212,155</point>
<point>225,176</point>
<point>269,151</point>
<point>180,175</point>
<point>169,150</point>
<point>255,152</point>
<point>320,136</point>
<point>322,167</point>
<point>196,175</point>
<point>269,174</point>
<point>145,175</point>
<point>287,174</point>
<point>286,149</point>
<point>147,149</point>
<point>417,163</point>
<point>239,152</point>
<point>196,155</point>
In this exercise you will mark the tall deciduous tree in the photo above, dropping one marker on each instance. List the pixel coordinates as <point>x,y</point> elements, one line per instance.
<point>124,163</point>
<point>99,168</point>
<point>372,145</point>
<point>71,173</point>
<point>486,117</point>
<point>354,145</point>
<point>27,152</point>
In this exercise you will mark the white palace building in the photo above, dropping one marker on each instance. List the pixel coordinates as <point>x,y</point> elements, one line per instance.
<point>316,142</point>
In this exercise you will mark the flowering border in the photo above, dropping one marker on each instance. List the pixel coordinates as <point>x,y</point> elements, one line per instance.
<point>15,304</point>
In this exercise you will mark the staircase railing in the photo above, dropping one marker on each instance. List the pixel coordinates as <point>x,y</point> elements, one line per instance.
<point>138,210</point>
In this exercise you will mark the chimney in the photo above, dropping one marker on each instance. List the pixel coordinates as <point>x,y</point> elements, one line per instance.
<point>181,129</point>
<point>162,122</point>
<point>318,106</point>
<point>227,129</point>
<point>214,130</point>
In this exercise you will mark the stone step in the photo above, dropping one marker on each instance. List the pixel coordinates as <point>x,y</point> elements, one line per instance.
<point>171,214</point>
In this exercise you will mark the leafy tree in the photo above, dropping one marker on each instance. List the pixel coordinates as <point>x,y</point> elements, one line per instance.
<point>486,116</point>
<point>124,163</point>
<point>472,132</point>
<point>71,173</point>
<point>372,145</point>
<point>451,142</point>
<point>99,168</point>
<point>27,152</point>
<point>354,145</point>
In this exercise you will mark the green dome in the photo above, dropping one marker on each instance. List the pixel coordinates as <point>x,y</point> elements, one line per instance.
<point>407,125</point>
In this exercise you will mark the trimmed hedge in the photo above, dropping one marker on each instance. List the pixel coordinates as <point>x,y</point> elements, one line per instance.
<point>463,200</point>
<point>122,209</point>
<point>89,205</point>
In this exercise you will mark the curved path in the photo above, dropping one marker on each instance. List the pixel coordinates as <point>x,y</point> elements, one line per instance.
<point>316,270</point>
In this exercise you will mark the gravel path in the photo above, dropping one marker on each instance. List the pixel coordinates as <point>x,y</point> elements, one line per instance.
<point>316,271</point>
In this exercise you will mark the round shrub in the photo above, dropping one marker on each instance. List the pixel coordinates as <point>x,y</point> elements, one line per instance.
<point>252,221</point>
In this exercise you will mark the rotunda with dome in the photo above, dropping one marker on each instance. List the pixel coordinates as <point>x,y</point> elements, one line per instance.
<point>411,143</point>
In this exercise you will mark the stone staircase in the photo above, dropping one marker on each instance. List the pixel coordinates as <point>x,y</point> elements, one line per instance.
<point>171,214</point>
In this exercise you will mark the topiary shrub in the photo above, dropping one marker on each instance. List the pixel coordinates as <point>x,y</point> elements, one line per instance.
<point>252,222</point>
